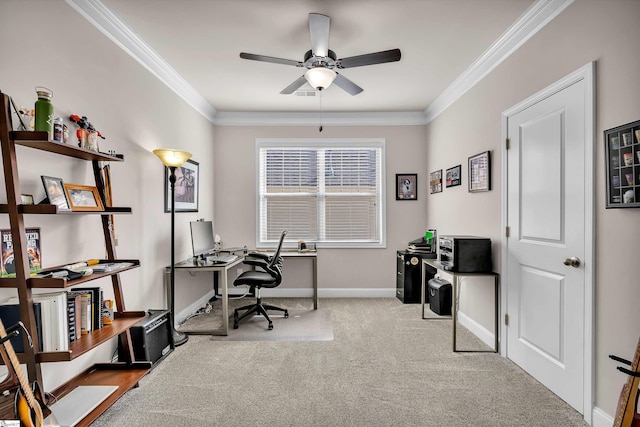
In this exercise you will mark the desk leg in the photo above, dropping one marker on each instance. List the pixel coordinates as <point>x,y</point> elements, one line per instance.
<point>225,303</point>
<point>315,282</point>
<point>422,301</point>
<point>454,308</point>
<point>497,312</point>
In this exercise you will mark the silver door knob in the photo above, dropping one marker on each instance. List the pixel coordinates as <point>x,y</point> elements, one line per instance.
<point>573,261</point>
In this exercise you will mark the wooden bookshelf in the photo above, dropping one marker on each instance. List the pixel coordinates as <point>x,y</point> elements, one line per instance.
<point>124,374</point>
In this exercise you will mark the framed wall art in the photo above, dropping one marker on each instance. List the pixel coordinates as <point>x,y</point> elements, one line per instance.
<point>187,187</point>
<point>453,176</point>
<point>480,172</point>
<point>407,186</point>
<point>54,190</point>
<point>83,198</point>
<point>435,181</point>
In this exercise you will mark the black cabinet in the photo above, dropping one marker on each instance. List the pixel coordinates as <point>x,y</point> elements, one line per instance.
<point>409,276</point>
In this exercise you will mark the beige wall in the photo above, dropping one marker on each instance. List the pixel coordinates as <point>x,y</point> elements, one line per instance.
<point>235,191</point>
<point>47,43</point>
<point>603,31</point>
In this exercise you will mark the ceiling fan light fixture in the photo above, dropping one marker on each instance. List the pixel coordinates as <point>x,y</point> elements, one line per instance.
<point>320,77</point>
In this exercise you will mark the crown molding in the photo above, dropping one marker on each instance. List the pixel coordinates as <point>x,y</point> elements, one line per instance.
<point>122,35</point>
<point>534,18</point>
<point>390,118</point>
<point>530,22</point>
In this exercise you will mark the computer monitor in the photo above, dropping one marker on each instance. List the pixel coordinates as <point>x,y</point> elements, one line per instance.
<point>202,239</point>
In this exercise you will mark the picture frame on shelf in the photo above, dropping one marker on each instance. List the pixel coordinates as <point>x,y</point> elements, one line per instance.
<point>480,172</point>
<point>407,186</point>
<point>83,198</point>
<point>55,192</point>
<point>26,199</point>
<point>453,176</point>
<point>435,181</point>
<point>187,187</point>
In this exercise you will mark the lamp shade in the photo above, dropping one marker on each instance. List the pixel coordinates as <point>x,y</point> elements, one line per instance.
<point>171,157</point>
<point>320,78</point>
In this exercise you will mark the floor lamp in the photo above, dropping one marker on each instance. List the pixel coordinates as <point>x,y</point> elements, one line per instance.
<point>173,159</point>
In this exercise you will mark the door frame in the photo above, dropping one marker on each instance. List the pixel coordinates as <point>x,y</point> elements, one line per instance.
<point>586,73</point>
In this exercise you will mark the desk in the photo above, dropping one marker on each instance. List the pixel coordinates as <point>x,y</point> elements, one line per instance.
<point>217,269</point>
<point>454,291</point>
<point>222,271</point>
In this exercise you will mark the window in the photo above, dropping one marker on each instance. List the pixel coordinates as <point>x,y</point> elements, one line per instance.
<point>327,191</point>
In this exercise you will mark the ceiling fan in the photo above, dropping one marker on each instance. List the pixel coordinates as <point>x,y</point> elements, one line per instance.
<point>321,62</point>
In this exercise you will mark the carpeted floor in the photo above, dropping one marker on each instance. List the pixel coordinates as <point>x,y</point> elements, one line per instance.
<point>384,367</point>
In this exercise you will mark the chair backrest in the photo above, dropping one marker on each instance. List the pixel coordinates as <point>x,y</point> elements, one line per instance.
<point>276,255</point>
<point>275,263</point>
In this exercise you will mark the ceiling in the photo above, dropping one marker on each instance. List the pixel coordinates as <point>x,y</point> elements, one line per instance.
<point>200,40</point>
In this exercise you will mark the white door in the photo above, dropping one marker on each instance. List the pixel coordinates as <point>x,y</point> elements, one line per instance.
<point>548,193</point>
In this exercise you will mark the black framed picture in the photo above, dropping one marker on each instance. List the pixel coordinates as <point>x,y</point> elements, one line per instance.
<point>54,189</point>
<point>435,181</point>
<point>407,186</point>
<point>454,176</point>
<point>480,172</point>
<point>187,187</point>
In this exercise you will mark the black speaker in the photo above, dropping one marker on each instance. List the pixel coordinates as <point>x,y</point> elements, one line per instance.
<point>151,338</point>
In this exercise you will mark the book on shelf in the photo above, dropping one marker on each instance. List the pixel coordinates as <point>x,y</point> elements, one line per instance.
<point>10,315</point>
<point>96,305</point>
<point>106,267</point>
<point>107,312</point>
<point>7,266</point>
<point>84,311</point>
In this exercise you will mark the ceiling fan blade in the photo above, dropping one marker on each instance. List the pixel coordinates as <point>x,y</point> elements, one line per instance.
<point>347,85</point>
<point>294,86</point>
<point>319,30</point>
<point>392,55</point>
<point>272,59</point>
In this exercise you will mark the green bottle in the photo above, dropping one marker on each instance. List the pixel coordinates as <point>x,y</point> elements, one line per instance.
<point>44,111</point>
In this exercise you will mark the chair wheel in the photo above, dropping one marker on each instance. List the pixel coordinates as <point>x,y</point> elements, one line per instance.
<point>286,314</point>
<point>270,325</point>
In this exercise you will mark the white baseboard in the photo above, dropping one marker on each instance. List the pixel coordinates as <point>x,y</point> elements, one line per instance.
<point>330,293</point>
<point>601,418</point>
<point>485,335</point>
<point>189,310</point>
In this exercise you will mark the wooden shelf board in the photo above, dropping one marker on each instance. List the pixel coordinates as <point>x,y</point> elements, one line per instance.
<point>50,283</point>
<point>124,376</point>
<point>53,210</point>
<point>40,141</point>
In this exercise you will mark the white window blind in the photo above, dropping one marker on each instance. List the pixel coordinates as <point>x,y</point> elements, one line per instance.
<point>326,191</point>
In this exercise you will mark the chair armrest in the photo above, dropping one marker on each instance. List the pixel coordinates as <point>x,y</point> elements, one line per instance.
<point>258,255</point>
<point>257,262</point>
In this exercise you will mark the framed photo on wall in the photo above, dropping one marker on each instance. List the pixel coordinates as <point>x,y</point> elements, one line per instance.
<point>435,181</point>
<point>454,176</point>
<point>187,187</point>
<point>480,172</point>
<point>407,186</point>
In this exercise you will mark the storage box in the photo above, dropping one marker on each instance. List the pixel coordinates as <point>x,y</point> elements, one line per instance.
<point>440,296</point>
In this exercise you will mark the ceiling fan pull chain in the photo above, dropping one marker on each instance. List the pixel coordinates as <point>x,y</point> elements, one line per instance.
<point>320,92</point>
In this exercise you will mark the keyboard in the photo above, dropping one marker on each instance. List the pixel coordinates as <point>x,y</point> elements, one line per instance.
<point>222,259</point>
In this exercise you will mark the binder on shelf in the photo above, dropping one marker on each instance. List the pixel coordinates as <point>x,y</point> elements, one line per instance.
<point>10,315</point>
<point>55,323</point>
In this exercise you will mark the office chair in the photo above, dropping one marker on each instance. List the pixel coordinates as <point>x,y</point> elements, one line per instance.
<point>269,277</point>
